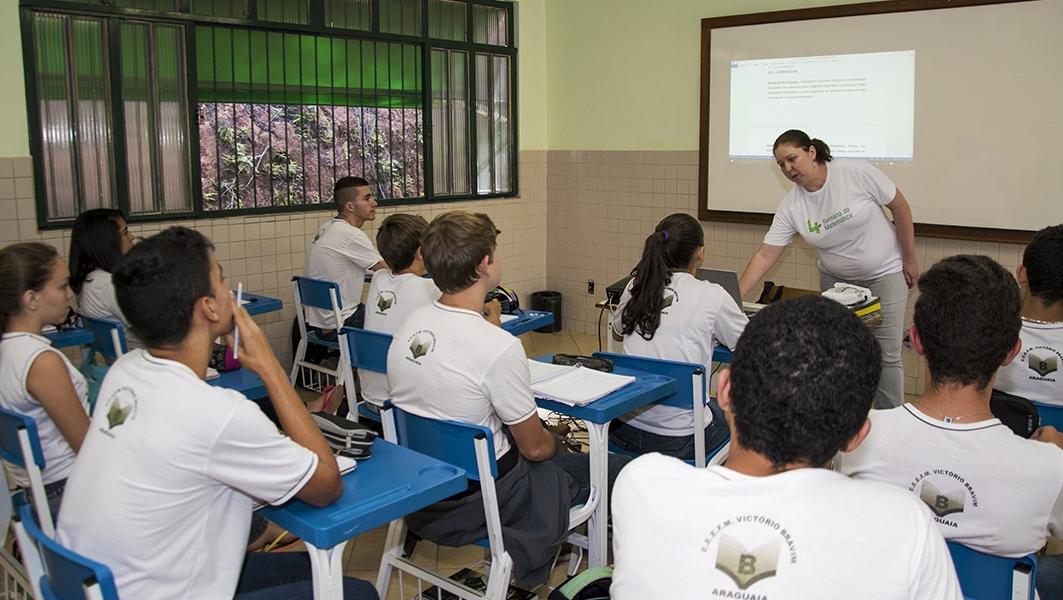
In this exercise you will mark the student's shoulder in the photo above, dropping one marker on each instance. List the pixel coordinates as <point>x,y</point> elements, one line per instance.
<point>650,470</point>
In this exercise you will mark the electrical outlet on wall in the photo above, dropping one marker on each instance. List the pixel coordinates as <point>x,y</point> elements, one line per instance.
<point>590,286</point>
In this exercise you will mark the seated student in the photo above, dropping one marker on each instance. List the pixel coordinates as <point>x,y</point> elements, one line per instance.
<point>394,294</point>
<point>988,488</point>
<point>685,327</point>
<point>171,465</point>
<point>775,521</point>
<point>448,362</point>
<point>35,379</point>
<point>98,240</point>
<point>1035,374</point>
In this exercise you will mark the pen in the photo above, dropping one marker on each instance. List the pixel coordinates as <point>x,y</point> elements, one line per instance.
<point>236,329</point>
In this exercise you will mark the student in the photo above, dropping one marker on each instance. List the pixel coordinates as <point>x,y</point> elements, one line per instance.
<point>988,488</point>
<point>1034,374</point>
<point>171,466</point>
<point>36,379</point>
<point>394,294</point>
<point>775,522</point>
<point>98,240</point>
<point>448,362</point>
<point>685,327</point>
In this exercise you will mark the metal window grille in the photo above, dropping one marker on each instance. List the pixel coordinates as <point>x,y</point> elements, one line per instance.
<point>450,146</point>
<point>349,14</point>
<point>494,132</point>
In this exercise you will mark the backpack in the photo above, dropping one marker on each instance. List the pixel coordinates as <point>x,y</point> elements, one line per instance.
<point>1018,413</point>
<point>592,584</point>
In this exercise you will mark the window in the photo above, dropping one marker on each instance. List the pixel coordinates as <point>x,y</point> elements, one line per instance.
<point>197,108</point>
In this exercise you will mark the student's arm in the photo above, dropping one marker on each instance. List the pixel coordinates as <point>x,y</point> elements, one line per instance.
<point>49,382</point>
<point>507,385</point>
<point>903,223</point>
<point>493,312</point>
<point>533,440</point>
<point>380,264</point>
<point>763,259</point>
<point>325,486</point>
<point>1049,435</point>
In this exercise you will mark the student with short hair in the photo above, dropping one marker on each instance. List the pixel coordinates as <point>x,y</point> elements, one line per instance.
<point>36,379</point>
<point>775,521</point>
<point>666,312</point>
<point>1035,373</point>
<point>395,293</point>
<point>448,362</point>
<point>171,466</point>
<point>988,488</point>
<point>98,240</point>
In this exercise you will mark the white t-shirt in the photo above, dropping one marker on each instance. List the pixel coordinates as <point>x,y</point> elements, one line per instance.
<point>450,363</point>
<point>685,533</point>
<point>340,253</point>
<point>97,300</point>
<point>17,353</point>
<point>844,221</point>
<point>987,487</point>
<point>390,300</point>
<point>697,315</point>
<point>1034,374</point>
<point>166,478</point>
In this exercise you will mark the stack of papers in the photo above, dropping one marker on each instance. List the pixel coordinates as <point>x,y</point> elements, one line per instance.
<point>573,385</point>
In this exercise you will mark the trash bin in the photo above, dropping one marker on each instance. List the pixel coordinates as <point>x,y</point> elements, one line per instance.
<point>550,302</point>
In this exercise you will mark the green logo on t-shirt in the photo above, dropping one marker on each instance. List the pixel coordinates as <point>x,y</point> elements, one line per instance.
<point>419,347</point>
<point>383,304</point>
<point>117,414</point>
<point>813,227</point>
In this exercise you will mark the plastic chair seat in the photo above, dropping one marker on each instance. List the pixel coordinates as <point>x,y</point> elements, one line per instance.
<point>365,413</point>
<point>315,338</point>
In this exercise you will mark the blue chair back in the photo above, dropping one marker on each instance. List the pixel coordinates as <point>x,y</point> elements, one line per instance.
<point>105,341</point>
<point>367,349</point>
<point>452,442</point>
<point>988,577</point>
<point>682,372</point>
<point>67,574</point>
<point>10,443</point>
<point>1050,414</point>
<point>315,292</point>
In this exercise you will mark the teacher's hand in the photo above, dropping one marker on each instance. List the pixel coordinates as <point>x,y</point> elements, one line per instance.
<point>911,272</point>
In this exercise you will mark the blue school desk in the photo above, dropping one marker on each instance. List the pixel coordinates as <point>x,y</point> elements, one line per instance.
<point>70,337</point>
<point>721,354</point>
<point>395,482</point>
<point>646,389</point>
<point>528,320</point>
<point>258,305</point>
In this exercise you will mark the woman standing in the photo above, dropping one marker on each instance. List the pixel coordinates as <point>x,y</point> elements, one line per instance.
<point>836,207</point>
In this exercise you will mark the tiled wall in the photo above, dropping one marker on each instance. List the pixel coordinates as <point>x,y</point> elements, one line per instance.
<point>602,205</point>
<point>265,252</point>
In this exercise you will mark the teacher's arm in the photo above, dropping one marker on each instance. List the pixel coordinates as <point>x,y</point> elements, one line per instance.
<point>905,226</point>
<point>763,259</point>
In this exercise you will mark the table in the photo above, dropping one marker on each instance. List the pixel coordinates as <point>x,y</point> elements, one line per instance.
<point>70,337</point>
<point>528,320</point>
<point>395,482</point>
<point>646,389</point>
<point>257,305</point>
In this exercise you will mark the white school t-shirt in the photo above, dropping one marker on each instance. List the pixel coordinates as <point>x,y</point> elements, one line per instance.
<point>986,487</point>
<point>697,314</point>
<point>844,221</point>
<point>340,253</point>
<point>390,300</point>
<point>97,300</point>
<point>450,363</point>
<point>685,533</point>
<point>17,353</point>
<point>1035,374</point>
<point>167,476</point>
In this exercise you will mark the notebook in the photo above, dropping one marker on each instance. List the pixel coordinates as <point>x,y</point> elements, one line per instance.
<point>573,385</point>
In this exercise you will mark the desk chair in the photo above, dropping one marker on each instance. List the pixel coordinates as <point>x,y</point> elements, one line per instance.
<point>1051,414</point>
<point>325,295</point>
<point>366,350</point>
<point>691,383</point>
<point>469,447</point>
<point>988,577</point>
<point>67,575</point>
<point>108,340</point>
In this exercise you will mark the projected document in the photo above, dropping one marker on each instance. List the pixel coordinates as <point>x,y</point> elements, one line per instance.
<point>862,105</point>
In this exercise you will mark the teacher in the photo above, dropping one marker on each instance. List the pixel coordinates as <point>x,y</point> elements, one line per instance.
<point>836,207</point>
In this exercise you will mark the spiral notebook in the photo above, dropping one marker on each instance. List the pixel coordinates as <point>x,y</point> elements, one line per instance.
<point>573,385</point>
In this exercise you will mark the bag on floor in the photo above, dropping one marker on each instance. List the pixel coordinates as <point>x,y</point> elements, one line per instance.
<point>592,584</point>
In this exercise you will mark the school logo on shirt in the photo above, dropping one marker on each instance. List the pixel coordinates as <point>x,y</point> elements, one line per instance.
<point>1042,364</point>
<point>942,503</point>
<point>420,344</point>
<point>813,227</point>
<point>121,407</point>
<point>946,493</point>
<point>749,548</point>
<point>670,297</point>
<point>384,300</point>
<point>747,566</point>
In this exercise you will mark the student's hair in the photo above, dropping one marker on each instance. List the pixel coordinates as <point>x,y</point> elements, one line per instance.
<point>344,183</point>
<point>95,243</point>
<point>1043,260</point>
<point>23,267</point>
<point>453,245</point>
<point>800,139</point>
<point>803,376</point>
<point>159,281</point>
<point>398,239</point>
<point>968,316</point>
<point>669,248</point>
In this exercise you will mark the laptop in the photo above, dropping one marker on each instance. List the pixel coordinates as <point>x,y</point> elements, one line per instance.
<point>728,280</point>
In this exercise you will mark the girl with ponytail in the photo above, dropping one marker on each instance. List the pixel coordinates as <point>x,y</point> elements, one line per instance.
<point>666,312</point>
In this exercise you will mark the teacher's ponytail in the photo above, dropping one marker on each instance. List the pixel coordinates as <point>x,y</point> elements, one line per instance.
<point>800,139</point>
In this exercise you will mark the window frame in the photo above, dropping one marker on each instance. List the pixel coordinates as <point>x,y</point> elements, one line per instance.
<point>113,16</point>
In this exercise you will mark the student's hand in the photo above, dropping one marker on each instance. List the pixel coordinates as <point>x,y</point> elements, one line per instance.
<point>1048,434</point>
<point>255,351</point>
<point>493,312</point>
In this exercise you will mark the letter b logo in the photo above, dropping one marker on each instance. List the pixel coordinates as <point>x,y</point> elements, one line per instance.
<point>747,564</point>
<point>941,503</point>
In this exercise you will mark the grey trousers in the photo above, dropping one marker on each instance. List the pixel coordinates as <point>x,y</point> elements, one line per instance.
<point>893,294</point>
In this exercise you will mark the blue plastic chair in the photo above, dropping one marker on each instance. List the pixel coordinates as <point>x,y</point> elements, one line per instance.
<point>987,577</point>
<point>67,574</point>
<point>367,350</point>
<point>324,295</point>
<point>108,340</point>
<point>19,440</point>
<point>1050,414</point>
<point>691,384</point>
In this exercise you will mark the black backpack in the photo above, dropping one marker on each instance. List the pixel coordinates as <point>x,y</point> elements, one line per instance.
<point>1018,413</point>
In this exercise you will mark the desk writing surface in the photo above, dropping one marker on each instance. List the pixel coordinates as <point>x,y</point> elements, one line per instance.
<point>395,482</point>
<point>256,304</point>
<point>70,337</point>
<point>528,320</point>
<point>241,380</point>
<point>646,389</point>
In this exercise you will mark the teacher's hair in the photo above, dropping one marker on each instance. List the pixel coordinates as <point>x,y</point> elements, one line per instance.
<point>800,139</point>
<point>669,248</point>
<point>1043,260</point>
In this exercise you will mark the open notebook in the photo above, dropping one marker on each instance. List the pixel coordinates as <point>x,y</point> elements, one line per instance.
<point>573,385</point>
